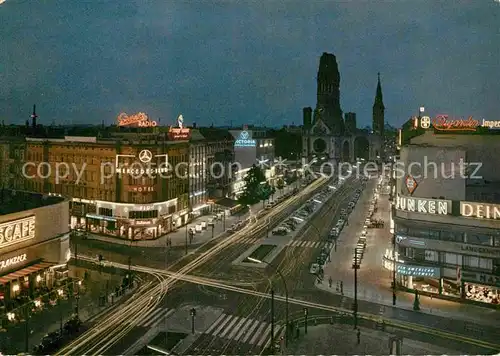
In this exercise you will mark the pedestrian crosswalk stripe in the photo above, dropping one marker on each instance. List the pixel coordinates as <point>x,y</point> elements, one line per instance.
<point>243,329</point>
<point>257,333</point>
<point>236,328</point>
<point>264,336</point>
<point>247,324</point>
<point>309,244</point>
<point>158,315</point>
<point>224,322</point>
<point>212,327</point>
<point>229,327</point>
<point>249,334</point>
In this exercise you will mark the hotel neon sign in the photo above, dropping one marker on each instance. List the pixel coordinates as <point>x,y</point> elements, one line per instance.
<point>137,120</point>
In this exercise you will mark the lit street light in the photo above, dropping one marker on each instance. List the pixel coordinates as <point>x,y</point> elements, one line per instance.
<point>272,310</point>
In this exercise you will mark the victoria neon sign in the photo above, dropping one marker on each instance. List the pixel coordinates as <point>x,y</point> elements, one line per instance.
<point>137,120</point>
<point>245,140</point>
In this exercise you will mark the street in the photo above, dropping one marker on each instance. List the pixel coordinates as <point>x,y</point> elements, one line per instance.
<point>232,302</point>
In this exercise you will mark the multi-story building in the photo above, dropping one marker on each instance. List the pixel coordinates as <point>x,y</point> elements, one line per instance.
<point>34,247</point>
<point>252,146</point>
<point>447,213</point>
<point>219,162</point>
<point>131,184</point>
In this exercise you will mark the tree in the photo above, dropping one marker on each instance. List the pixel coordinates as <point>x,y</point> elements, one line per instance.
<point>416,302</point>
<point>254,190</point>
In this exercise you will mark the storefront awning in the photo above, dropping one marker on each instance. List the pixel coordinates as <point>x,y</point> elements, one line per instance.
<point>227,202</point>
<point>25,271</point>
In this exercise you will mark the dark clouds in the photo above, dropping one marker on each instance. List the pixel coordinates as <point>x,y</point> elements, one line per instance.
<point>85,61</point>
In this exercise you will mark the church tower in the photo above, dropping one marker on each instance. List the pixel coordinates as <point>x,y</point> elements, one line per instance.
<point>328,93</point>
<point>378,118</point>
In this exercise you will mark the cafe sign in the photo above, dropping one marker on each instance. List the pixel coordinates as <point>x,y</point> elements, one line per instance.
<point>137,120</point>
<point>423,206</point>
<point>13,261</point>
<point>14,232</point>
<point>479,210</point>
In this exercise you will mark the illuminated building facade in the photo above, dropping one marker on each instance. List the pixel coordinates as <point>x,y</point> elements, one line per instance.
<point>446,215</point>
<point>34,245</point>
<point>251,147</point>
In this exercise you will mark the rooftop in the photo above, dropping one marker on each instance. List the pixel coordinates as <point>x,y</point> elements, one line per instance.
<point>14,201</point>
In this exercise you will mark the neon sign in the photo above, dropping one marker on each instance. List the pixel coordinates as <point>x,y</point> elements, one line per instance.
<point>180,132</point>
<point>137,120</point>
<point>13,261</point>
<point>17,231</point>
<point>245,140</point>
<point>444,123</point>
<point>492,125</point>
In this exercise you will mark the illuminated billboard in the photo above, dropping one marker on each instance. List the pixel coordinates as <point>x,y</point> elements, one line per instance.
<point>244,139</point>
<point>137,120</point>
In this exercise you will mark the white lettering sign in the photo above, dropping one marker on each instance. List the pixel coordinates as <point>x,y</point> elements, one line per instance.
<point>422,205</point>
<point>17,231</point>
<point>480,211</point>
<point>13,261</point>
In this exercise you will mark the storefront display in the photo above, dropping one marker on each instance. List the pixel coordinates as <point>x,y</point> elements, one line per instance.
<point>484,294</point>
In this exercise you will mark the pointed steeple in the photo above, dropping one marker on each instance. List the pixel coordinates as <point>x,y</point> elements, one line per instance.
<point>378,118</point>
<point>379,99</point>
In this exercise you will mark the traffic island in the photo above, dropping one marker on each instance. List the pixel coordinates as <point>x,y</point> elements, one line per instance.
<point>261,252</point>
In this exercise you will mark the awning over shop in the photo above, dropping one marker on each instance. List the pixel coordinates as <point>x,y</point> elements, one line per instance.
<point>25,271</point>
<point>227,202</point>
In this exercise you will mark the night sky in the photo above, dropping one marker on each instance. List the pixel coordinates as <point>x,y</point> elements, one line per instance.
<point>254,62</point>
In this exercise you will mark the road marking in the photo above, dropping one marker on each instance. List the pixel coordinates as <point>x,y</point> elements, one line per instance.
<point>236,328</point>
<point>222,325</point>
<point>264,336</point>
<point>250,330</point>
<point>244,327</point>
<point>156,317</point>
<point>229,327</point>
<point>212,327</point>
<point>257,333</point>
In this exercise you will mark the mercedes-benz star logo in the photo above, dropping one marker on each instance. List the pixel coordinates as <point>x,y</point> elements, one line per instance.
<point>145,156</point>
<point>244,135</point>
<point>425,122</point>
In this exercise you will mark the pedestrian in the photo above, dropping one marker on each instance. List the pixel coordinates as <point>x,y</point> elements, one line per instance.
<point>358,335</point>
<point>341,287</point>
<point>330,281</point>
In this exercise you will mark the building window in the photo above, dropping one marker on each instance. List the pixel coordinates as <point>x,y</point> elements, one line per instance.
<point>431,256</point>
<point>451,236</point>
<point>143,214</point>
<point>105,212</point>
<point>480,239</point>
<point>451,258</point>
<point>401,229</point>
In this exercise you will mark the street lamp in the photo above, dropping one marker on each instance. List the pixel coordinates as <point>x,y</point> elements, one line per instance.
<point>355,266</point>
<point>286,300</point>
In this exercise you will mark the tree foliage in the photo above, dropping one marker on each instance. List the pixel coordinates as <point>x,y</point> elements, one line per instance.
<point>256,187</point>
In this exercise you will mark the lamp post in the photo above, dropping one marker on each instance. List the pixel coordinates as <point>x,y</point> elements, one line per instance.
<point>193,314</point>
<point>186,238</point>
<point>272,295</point>
<point>355,266</point>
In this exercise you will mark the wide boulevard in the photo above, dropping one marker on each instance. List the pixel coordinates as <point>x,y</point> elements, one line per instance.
<point>233,301</point>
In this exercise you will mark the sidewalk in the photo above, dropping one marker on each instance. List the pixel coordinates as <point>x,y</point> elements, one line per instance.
<point>178,237</point>
<point>40,324</point>
<point>374,281</point>
<point>342,340</point>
